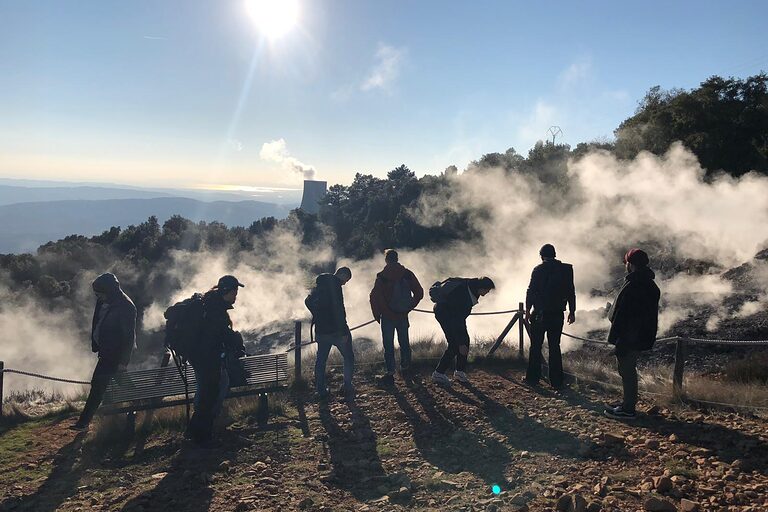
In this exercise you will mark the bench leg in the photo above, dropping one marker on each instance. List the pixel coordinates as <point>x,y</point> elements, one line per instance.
<point>130,423</point>
<point>262,413</point>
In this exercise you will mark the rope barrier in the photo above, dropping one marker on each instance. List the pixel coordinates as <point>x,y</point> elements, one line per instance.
<point>44,377</point>
<point>727,342</point>
<point>599,342</point>
<point>474,314</point>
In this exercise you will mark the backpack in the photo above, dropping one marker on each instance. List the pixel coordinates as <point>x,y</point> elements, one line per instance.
<point>439,291</point>
<point>184,325</point>
<point>402,299</point>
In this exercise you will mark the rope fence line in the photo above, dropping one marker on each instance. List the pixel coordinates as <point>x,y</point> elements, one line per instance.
<point>44,377</point>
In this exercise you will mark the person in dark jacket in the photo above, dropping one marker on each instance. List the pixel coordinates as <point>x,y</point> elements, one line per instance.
<point>326,302</point>
<point>113,337</point>
<point>634,318</point>
<point>452,314</point>
<point>395,293</point>
<point>550,290</point>
<point>220,347</point>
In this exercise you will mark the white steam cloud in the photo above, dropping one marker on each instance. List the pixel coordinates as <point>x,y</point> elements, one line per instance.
<point>277,151</point>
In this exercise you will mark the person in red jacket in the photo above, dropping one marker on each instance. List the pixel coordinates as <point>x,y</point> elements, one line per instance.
<point>395,293</point>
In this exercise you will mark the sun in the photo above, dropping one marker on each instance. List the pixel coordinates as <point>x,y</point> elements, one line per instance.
<point>273,18</point>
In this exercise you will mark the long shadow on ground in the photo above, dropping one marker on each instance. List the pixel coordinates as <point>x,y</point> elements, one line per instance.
<point>353,455</point>
<point>444,442</point>
<point>61,483</point>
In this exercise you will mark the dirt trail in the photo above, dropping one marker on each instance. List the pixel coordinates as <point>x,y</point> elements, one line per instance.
<point>414,446</point>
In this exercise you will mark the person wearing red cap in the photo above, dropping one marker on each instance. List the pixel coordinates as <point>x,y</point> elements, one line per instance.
<point>634,318</point>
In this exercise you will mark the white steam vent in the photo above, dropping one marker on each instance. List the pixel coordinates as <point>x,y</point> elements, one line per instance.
<point>313,193</point>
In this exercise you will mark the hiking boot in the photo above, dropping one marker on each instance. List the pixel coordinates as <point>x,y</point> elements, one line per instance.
<point>618,413</point>
<point>79,427</point>
<point>461,377</point>
<point>529,383</point>
<point>323,395</point>
<point>348,392</point>
<point>387,380</point>
<point>440,378</point>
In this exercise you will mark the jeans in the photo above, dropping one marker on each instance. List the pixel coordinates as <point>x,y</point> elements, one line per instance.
<point>551,324</point>
<point>456,335</point>
<point>223,391</point>
<point>343,342</point>
<point>104,371</point>
<point>388,328</point>
<point>627,362</point>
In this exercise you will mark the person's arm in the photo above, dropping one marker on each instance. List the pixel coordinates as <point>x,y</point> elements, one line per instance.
<point>375,298</point>
<point>571,295</point>
<point>127,332</point>
<point>530,294</point>
<point>416,290</point>
<point>94,324</point>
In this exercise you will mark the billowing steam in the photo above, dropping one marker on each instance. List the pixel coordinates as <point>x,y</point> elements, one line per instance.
<point>694,229</point>
<point>277,151</point>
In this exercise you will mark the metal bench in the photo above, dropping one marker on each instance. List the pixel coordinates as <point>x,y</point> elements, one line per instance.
<point>156,388</point>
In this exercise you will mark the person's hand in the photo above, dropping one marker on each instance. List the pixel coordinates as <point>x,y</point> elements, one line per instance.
<point>527,316</point>
<point>571,317</point>
<point>378,319</point>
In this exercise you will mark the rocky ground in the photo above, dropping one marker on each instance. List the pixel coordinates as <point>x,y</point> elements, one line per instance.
<point>414,446</point>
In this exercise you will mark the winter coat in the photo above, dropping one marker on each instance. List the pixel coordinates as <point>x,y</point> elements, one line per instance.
<point>383,287</point>
<point>551,287</point>
<point>113,328</point>
<point>459,303</point>
<point>326,302</point>
<point>218,336</point>
<point>634,314</point>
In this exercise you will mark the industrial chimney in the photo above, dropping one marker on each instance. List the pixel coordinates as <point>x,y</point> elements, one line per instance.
<point>313,193</point>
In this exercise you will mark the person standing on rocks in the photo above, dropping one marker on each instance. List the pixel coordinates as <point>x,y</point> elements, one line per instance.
<point>113,337</point>
<point>210,358</point>
<point>454,299</point>
<point>395,293</point>
<point>634,318</point>
<point>326,302</point>
<point>550,290</point>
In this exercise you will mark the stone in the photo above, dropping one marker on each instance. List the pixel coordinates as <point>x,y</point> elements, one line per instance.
<point>651,444</point>
<point>159,476</point>
<point>307,503</point>
<point>655,504</point>
<point>662,484</point>
<point>594,507</point>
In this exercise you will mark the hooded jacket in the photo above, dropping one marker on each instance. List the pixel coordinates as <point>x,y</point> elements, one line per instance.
<point>326,302</point>
<point>383,287</point>
<point>113,328</point>
<point>634,314</point>
<point>459,303</point>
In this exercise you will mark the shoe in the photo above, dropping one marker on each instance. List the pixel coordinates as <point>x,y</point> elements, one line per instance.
<point>347,392</point>
<point>79,427</point>
<point>461,377</point>
<point>323,395</point>
<point>529,383</point>
<point>440,378</point>
<point>618,413</point>
<point>387,380</point>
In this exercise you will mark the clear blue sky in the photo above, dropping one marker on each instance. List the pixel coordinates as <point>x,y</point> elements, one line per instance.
<point>158,92</point>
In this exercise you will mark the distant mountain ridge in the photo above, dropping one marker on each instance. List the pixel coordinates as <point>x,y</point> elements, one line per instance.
<point>25,226</point>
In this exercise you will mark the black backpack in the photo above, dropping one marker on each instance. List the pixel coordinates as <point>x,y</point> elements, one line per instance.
<point>184,326</point>
<point>439,291</point>
<point>402,298</point>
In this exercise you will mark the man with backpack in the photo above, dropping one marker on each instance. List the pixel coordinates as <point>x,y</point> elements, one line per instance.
<point>395,293</point>
<point>113,337</point>
<point>550,290</point>
<point>634,318</point>
<point>213,354</point>
<point>454,299</point>
<point>329,318</point>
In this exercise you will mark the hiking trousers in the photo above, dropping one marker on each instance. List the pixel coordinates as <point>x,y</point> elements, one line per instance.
<point>388,329</point>
<point>208,379</point>
<point>627,363</point>
<point>324,343</point>
<point>549,324</point>
<point>457,336</point>
<point>104,371</point>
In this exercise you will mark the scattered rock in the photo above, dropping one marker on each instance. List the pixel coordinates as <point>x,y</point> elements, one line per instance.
<point>689,506</point>
<point>159,476</point>
<point>307,503</point>
<point>662,484</point>
<point>656,504</point>
<point>571,503</point>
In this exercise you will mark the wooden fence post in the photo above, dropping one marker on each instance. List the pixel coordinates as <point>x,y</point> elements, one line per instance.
<point>297,351</point>
<point>521,327</point>
<point>2,367</point>
<point>681,350</point>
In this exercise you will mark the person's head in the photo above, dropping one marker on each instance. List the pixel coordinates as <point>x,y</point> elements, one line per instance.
<point>390,256</point>
<point>106,286</point>
<point>227,287</point>
<point>484,285</point>
<point>547,252</point>
<point>344,274</point>
<point>635,259</point>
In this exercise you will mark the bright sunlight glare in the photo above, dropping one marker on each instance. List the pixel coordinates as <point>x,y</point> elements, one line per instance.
<point>273,18</point>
